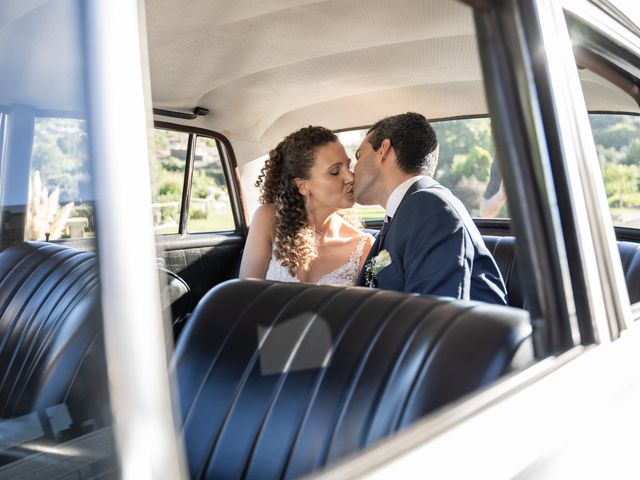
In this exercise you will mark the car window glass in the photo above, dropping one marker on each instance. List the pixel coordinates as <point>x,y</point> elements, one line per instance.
<point>60,201</point>
<point>466,166</point>
<point>168,162</point>
<point>55,409</point>
<point>617,139</point>
<point>209,205</point>
<point>610,93</point>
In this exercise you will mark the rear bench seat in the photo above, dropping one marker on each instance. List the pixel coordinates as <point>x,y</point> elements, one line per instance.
<point>504,251</point>
<point>277,380</point>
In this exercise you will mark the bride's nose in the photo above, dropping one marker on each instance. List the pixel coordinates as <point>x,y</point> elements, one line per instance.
<point>349,177</point>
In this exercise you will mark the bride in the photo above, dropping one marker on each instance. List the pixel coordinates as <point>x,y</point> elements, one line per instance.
<point>296,234</point>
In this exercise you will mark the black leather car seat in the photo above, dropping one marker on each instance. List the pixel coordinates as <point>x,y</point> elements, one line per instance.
<point>504,252</point>
<point>277,380</point>
<point>50,324</point>
<point>630,257</point>
<point>53,383</point>
<point>50,327</point>
<point>177,299</point>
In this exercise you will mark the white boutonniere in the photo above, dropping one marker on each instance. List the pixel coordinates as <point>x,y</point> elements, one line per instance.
<point>375,266</point>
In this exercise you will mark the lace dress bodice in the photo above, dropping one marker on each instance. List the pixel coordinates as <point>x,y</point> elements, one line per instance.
<point>344,275</point>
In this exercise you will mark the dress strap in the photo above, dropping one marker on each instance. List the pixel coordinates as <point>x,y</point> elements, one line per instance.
<point>354,261</point>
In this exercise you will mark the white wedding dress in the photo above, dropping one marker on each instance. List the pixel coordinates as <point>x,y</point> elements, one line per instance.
<point>345,275</point>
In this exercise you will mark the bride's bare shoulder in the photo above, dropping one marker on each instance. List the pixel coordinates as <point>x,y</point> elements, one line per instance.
<point>350,230</point>
<point>263,222</point>
<point>265,209</point>
<point>264,214</point>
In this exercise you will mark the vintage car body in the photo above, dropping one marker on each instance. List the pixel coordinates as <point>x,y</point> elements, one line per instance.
<point>282,380</point>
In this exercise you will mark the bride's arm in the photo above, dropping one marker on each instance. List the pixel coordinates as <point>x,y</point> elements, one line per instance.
<point>257,249</point>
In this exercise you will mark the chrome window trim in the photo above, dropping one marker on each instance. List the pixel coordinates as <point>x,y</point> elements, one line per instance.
<point>187,183</point>
<point>521,143</point>
<point>620,313</point>
<point>616,295</point>
<point>135,335</point>
<point>603,23</point>
<point>590,212</point>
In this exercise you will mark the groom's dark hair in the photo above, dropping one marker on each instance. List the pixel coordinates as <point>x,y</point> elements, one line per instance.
<point>413,139</point>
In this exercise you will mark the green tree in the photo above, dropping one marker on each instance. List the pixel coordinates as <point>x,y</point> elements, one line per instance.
<point>160,140</point>
<point>618,136</point>
<point>200,184</point>
<point>173,164</point>
<point>170,190</point>
<point>476,165</point>
<point>608,156</point>
<point>620,180</point>
<point>459,137</point>
<point>633,153</point>
<point>60,154</point>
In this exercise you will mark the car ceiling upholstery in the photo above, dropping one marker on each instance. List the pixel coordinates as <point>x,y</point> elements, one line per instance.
<point>264,69</point>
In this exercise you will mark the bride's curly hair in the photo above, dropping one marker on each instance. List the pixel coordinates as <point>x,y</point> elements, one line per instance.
<point>293,157</point>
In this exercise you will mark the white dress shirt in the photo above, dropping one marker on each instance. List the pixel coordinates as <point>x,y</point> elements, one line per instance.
<point>398,194</point>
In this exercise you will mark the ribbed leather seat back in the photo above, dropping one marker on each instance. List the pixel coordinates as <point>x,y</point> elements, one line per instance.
<point>504,252</point>
<point>49,324</point>
<point>277,380</point>
<point>630,257</point>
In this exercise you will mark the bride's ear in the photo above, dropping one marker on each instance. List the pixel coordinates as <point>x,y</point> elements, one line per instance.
<point>302,187</point>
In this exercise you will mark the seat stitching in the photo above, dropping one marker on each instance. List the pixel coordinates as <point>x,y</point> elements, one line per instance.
<point>52,334</point>
<point>405,345</point>
<point>214,360</point>
<point>278,389</point>
<point>241,383</point>
<point>428,357</point>
<point>319,379</point>
<point>355,377</point>
<point>39,270</point>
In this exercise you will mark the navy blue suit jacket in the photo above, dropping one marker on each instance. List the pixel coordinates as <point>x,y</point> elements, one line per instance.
<point>436,249</point>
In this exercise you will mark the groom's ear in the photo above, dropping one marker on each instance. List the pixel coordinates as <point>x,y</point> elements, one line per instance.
<point>385,147</point>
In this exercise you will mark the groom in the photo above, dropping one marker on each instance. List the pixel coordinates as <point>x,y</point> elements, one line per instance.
<point>428,243</point>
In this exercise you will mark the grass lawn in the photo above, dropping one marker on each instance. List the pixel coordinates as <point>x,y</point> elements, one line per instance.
<point>368,214</point>
<point>217,222</point>
<point>223,222</point>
